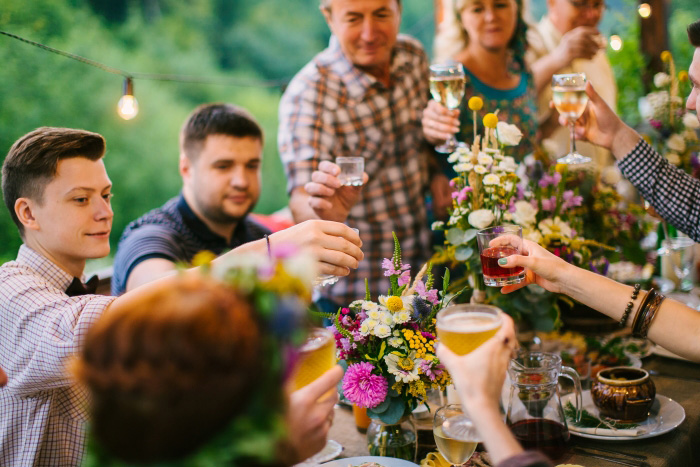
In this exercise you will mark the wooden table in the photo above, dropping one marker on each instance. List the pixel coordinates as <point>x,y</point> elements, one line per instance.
<point>678,448</point>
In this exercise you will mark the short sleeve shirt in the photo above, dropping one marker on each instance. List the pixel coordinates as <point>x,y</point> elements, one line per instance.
<point>42,414</point>
<point>332,108</point>
<point>174,232</point>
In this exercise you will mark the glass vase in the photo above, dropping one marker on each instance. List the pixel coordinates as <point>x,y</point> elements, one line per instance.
<point>398,440</point>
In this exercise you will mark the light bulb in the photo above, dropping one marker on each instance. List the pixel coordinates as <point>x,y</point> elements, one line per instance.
<point>644,10</point>
<point>615,42</point>
<point>128,106</point>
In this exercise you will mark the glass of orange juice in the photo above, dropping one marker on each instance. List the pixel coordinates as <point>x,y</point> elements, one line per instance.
<point>316,356</point>
<point>464,327</point>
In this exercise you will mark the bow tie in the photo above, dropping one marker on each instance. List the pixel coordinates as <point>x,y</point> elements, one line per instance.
<point>78,288</point>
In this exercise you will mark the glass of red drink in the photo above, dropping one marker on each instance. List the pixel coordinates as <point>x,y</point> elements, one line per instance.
<point>499,242</point>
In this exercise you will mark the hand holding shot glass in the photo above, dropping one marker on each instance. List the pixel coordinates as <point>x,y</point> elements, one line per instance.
<point>351,170</point>
<point>496,243</point>
<point>329,279</point>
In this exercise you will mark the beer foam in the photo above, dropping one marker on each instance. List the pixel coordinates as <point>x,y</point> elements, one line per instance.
<point>474,321</point>
<point>314,343</point>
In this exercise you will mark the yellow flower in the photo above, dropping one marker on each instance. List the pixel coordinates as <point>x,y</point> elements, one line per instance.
<point>561,168</point>
<point>490,120</point>
<point>683,76</point>
<point>203,258</point>
<point>666,56</point>
<point>394,303</point>
<point>475,103</point>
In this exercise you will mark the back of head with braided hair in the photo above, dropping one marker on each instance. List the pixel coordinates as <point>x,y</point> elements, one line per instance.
<point>169,369</point>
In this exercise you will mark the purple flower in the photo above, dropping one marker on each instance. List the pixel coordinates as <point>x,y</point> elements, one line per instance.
<point>547,180</point>
<point>548,204</point>
<point>429,295</point>
<point>390,270</point>
<point>655,123</point>
<point>571,200</point>
<point>461,195</point>
<point>362,388</point>
<point>405,277</point>
<point>430,369</point>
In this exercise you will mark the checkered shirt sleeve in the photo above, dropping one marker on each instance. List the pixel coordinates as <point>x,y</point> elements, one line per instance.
<point>333,109</point>
<point>41,413</point>
<point>674,194</point>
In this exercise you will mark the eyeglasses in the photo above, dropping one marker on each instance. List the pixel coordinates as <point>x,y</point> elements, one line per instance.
<point>583,5</point>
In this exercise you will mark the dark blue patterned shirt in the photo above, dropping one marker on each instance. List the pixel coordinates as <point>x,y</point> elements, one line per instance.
<point>173,232</point>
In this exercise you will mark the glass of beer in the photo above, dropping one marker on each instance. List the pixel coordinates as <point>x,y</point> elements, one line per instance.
<point>464,327</point>
<point>447,82</point>
<point>570,99</point>
<point>316,356</point>
<point>451,419</point>
<point>496,243</point>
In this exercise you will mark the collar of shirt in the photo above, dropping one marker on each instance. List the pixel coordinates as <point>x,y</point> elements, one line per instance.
<point>45,267</point>
<point>358,82</point>
<point>216,243</point>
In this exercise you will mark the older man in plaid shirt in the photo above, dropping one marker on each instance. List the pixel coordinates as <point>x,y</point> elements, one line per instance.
<point>362,96</point>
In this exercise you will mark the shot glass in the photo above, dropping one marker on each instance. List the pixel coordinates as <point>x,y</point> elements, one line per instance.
<point>351,170</point>
<point>329,279</point>
<point>499,242</point>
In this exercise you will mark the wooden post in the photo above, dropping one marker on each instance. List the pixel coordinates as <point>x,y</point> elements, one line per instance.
<point>654,38</point>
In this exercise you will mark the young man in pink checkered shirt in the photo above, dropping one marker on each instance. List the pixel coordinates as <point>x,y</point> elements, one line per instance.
<point>58,193</point>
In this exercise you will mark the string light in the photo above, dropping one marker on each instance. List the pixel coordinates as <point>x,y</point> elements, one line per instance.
<point>615,42</point>
<point>128,106</point>
<point>644,10</point>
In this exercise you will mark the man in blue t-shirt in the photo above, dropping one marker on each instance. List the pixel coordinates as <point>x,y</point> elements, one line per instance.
<point>220,156</point>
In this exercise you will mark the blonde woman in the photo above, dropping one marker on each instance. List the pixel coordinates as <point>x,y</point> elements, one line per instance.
<point>488,38</point>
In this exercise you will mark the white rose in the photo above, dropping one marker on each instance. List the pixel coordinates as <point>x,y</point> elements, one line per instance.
<point>463,167</point>
<point>508,134</point>
<point>480,169</point>
<point>484,159</point>
<point>673,158</point>
<point>481,218</point>
<point>524,213</point>
<point>611,175</point>
<point>676,143</point>
<point>690,120</point>
<point>661,80</point>
<point>492,179</point>
<point>508,164</point>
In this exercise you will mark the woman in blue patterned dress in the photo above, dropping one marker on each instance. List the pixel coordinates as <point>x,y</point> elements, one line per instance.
<point>488,38</point>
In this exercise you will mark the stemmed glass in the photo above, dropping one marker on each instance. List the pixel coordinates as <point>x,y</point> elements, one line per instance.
<point>447,83</point>
<point>459,446</point>
<point>570,99</point>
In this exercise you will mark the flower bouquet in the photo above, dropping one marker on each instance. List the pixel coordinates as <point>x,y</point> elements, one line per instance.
<point>388,345</point>
<point>675,129</point>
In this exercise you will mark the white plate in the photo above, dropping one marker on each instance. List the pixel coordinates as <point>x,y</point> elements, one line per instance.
<point>331,450</point>
<point>665,415</point>
<point>384,461</point>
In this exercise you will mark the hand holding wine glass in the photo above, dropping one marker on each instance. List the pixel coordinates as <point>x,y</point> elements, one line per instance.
<point>570,99</point>
<point>455,451</point>
<point>447,82</point>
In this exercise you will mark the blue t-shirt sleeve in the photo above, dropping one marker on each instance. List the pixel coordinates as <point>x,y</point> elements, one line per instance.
<point>142,243</point>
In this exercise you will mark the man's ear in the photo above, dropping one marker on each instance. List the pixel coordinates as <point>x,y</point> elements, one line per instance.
<point>24,209</point>
<point>327,15</point>
<point>185,165</point>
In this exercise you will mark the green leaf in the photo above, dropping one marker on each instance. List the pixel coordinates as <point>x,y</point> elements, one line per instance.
<point>455,236</point>
<point>463,253</point>
<point>394,412</point>
<point>381,408</point>
<point>469,235</point>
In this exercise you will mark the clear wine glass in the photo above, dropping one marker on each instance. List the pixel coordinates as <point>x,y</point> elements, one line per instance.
<point>455,434</point>
<point>570,99</point>
<point>681,252</point>
<point>447,83</point>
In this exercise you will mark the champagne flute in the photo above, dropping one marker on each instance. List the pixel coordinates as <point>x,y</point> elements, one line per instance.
<point>447,83</point>
<point>570,99</point>
<point>455,449</point>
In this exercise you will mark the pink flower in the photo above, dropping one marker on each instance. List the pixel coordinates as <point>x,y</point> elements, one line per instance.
<point>362,388</point>
<point>570,200</point>
<point>390,270</point>
<point>405,277</point>
<point>431,370</point>
<point>429,295</point>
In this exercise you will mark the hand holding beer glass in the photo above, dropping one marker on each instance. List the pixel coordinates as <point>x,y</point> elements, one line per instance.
<point>316,356</point>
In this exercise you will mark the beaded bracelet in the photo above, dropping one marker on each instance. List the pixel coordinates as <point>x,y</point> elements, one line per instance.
<point>654,305</point>
<point>643,310</point>
<point>630,304</point>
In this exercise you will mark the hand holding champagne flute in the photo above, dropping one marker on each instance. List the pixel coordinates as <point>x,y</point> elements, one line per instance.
<point>447,83</point>
<point>570,99</point>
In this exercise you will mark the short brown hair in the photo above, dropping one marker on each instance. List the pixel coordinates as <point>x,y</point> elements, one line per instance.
<point>170,369</point>
<point>216,119</point>
<point>326,4</point>
<point>33,160</point>
<point>694,33</point>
